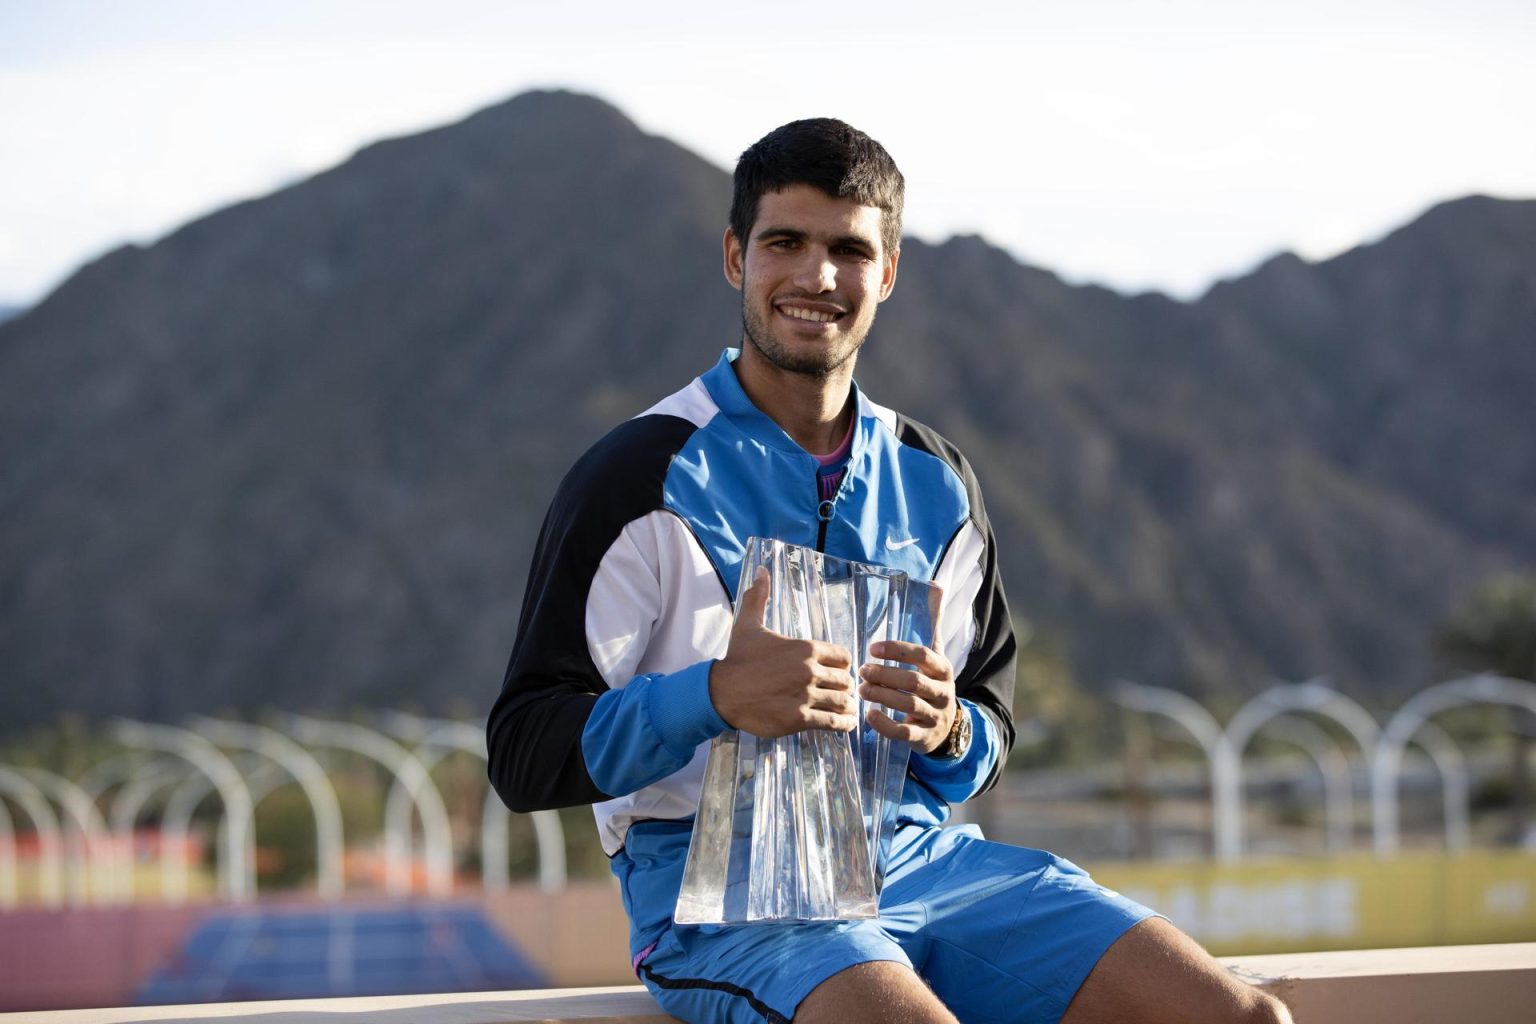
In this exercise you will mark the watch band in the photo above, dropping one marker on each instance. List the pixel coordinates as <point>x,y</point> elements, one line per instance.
<point>958,741</point>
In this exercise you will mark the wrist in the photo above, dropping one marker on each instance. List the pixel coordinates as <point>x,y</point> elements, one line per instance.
<point>716,687</point>
<point>682,708</point>
<point>958,742</point>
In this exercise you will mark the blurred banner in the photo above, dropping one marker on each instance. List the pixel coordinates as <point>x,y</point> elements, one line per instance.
<point>1352,902</point>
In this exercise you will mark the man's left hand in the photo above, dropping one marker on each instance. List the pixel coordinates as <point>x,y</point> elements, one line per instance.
<point>925,692</point>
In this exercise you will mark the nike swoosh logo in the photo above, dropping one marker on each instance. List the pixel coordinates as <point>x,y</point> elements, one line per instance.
<point>891,545</point>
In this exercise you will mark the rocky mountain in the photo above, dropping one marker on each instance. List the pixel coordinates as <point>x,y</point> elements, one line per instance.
<point>296,452</point>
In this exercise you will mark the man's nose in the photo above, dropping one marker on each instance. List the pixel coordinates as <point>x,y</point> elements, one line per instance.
<point>818,273</point>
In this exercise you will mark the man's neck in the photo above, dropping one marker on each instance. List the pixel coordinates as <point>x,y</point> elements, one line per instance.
<point>812,410</point>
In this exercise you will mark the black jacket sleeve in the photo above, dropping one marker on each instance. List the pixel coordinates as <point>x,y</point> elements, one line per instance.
<point>533,735</point>
<point>987,678</point>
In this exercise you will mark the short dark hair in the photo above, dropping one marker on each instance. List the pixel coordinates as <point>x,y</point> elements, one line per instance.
<point>828,154</point>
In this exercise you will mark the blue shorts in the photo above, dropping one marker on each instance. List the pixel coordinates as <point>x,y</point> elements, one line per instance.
<point>1001,933</point>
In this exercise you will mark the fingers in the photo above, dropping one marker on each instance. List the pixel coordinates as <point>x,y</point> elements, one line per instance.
<point>832,679</point>
<point>754,602</point>
<point>822,661</point>
<point>925,659</point>
<point>832,655</point>
<point>835,701</point>
<point>830,720</point>
<point>939,692</point>
<point>892,729</point>
<point>918,711</point>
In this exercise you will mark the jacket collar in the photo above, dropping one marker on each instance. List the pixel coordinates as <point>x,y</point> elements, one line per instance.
<point>720,380</point>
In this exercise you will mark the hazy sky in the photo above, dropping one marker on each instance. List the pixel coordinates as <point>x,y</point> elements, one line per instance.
<point>1139,144</point>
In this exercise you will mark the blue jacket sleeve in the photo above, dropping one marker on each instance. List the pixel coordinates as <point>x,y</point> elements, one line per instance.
<point>957,780</point>
<point>649,729</point>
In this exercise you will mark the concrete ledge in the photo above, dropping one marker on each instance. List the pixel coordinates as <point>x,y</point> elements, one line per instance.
<point>631,1004</point>
<point>1456,984</point>
<point>1437,985</point>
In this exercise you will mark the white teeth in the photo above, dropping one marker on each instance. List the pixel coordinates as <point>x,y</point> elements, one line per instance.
<point>807,314</point>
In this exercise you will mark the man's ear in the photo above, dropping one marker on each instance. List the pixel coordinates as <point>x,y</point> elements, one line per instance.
<point>888,274</point>
<point>733,258</point>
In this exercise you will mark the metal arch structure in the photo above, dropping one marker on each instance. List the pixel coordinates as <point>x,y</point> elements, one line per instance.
<point>94,876</point>
<point>123,815</point>
<point>495,817</point>
<point>8,894</point>
<point>1312,696</point>
<point>1387,763</point>
<point>413,775</point>
<point>114,770</point>
<point>1455,783</point>
<point>306,771</point>
<point>429,751</point>
<point>50,848</point>
<point>176,826</point>
<point>204,756</point>
<point>1195,720</point>
<point>129,801</point>
<point>1172,704</point>
<point>262,780</point>
<point>1333,764</point>
<point>110,771</point>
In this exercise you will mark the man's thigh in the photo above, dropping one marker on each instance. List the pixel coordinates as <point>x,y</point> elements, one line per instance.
<point>1001,933</point>
<point>749,973</point>
<point>760,973</point>
<point>880,992</point>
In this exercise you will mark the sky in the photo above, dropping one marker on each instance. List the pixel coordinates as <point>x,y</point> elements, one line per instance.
<point>1138,144</point>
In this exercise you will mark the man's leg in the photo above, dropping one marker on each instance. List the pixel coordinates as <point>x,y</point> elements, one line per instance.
<point>1156,974</point>
<point>881,992</point>
<point>742,974</point>
<point>1004,934</point>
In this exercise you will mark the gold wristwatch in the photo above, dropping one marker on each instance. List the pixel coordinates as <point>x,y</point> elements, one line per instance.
<point>959,739</point>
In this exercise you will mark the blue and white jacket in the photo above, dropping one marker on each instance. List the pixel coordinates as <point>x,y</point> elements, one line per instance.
<point>630,597</point>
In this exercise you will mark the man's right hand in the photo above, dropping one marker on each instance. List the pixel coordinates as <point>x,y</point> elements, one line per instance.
<point>772,685</point>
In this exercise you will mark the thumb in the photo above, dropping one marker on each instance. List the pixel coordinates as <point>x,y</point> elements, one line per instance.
<point>754,601</point>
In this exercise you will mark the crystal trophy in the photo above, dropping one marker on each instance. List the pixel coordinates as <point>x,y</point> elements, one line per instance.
<point>799,828</point>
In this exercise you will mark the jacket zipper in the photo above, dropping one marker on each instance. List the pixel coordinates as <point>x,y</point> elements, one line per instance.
<point>824,509</point>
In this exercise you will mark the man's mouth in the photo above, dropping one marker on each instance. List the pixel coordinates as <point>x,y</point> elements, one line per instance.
<point>818,314</point>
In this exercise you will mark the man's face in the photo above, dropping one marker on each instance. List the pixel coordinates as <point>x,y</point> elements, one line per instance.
<point>810,275</point>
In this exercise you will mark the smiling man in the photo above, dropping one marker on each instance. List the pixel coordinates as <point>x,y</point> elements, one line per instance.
<point>627,661</point>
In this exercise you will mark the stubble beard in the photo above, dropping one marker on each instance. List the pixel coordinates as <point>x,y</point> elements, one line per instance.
<point>819,363</point>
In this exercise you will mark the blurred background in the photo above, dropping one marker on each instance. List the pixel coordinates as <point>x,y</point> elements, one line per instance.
<point>307,310</point>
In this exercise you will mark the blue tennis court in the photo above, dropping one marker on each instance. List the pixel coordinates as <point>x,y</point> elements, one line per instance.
<point>339,951</point>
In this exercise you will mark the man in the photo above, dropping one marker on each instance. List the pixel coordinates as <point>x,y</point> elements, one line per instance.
<point>627,661</point>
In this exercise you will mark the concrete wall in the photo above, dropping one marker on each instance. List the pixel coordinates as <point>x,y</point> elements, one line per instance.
<point>1447,985</point>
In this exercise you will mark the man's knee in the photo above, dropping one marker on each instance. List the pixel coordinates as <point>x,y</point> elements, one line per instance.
<point>1155,973</point>
<point>1266,1009</point>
